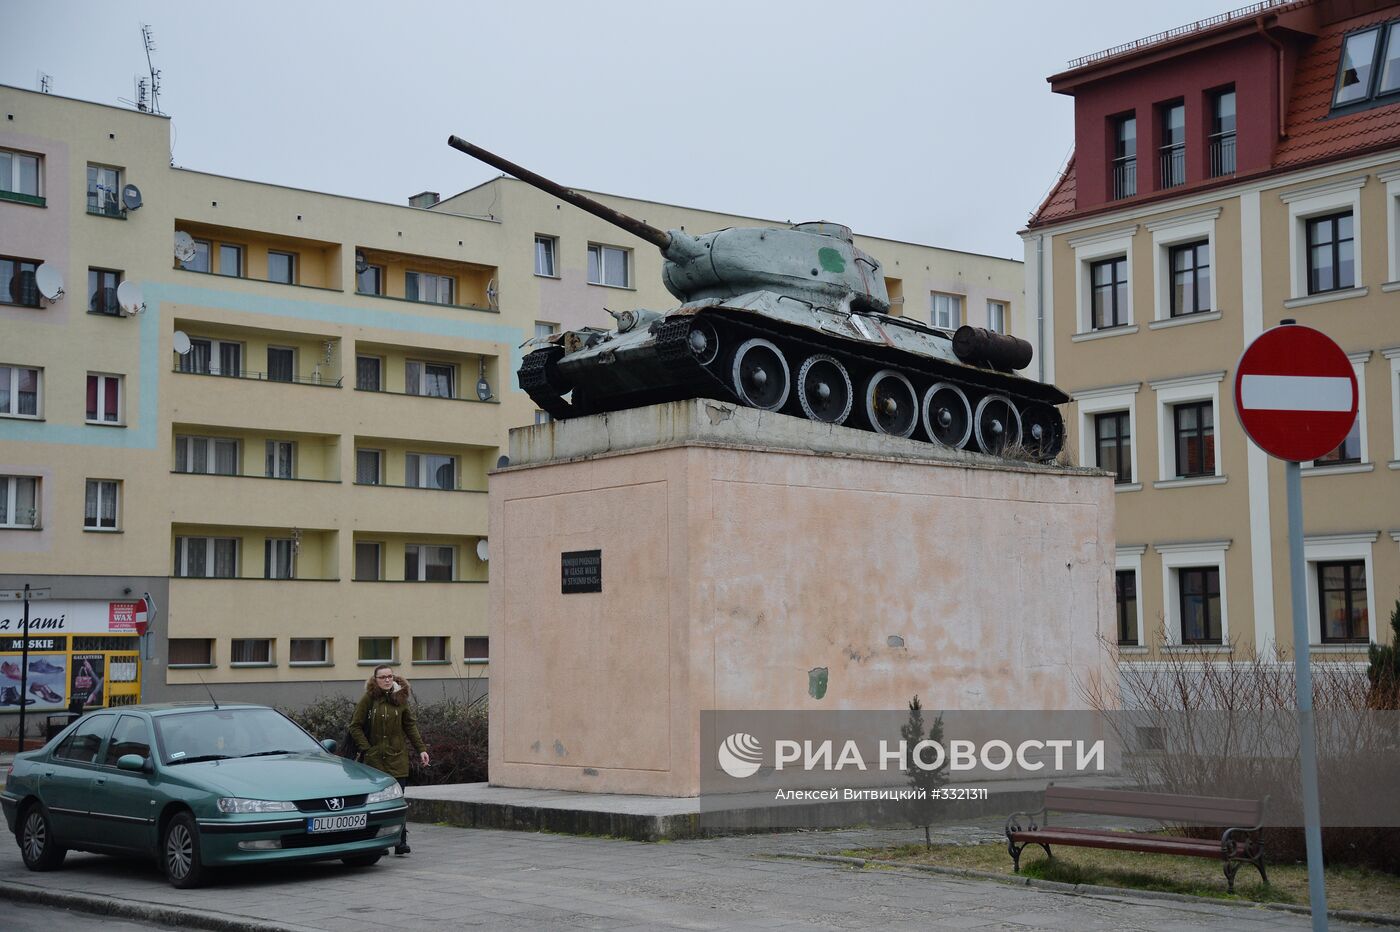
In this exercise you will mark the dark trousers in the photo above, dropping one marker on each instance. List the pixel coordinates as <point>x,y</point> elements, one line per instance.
<point>403,781</point>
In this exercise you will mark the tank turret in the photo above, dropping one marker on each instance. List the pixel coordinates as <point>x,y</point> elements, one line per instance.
<point>793,320</point>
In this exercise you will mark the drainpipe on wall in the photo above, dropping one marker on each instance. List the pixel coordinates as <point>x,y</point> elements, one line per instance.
<point>1282,91</point>
<point>1040,304</point>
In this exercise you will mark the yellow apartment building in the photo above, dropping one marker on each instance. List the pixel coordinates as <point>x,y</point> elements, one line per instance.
<point>274,412</point>
<point>1228,176</point>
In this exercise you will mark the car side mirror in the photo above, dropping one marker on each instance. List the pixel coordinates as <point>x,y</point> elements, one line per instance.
<point>330,745</point>
<point>132,762</point>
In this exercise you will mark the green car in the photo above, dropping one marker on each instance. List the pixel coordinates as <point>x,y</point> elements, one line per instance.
<point>198,786</point>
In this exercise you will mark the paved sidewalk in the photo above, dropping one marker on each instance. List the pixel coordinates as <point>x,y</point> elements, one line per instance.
<point>498,880</point>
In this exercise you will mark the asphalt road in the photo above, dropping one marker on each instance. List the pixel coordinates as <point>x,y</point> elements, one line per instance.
<point>26,917</point>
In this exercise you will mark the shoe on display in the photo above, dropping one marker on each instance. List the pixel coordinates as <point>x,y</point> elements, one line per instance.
<point>9,669</point>
<point>43,666</point>
<point>44,693</point>
<point>9,695</point>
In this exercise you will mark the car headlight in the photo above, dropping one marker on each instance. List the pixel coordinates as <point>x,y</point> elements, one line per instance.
<point>392,791</point>
<point>234,804</point>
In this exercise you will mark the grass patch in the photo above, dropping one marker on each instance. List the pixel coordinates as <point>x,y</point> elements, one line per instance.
<point>1347,887</point>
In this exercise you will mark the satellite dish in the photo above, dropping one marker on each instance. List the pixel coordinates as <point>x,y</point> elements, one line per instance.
<point>182,342</point>
<point>493,297</point>
<point>360,264</point>
<point>184,246</point>
<point>131,197</point>
<point>129,298</point>
<point>483,389</point>
<point>483,552</point>
<point>50,282</point>
<point>502,462</point>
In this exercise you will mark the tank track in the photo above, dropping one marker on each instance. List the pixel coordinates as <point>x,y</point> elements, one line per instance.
<point>539,379</point>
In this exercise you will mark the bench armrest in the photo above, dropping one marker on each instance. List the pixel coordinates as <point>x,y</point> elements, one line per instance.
<point>1013,821</point>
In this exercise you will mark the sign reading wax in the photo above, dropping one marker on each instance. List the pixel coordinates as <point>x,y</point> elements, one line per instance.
<point>581,571</point>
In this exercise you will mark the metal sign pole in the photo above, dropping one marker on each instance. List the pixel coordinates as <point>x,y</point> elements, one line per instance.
<point>1307,733</point>
<point>24,667</point>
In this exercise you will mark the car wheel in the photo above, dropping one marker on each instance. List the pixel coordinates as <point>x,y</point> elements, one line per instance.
<point>179,853</point>
<point>36,842</point>
<point>363,860</point>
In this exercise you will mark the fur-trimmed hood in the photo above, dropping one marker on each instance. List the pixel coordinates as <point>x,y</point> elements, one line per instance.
<point>397,697</point>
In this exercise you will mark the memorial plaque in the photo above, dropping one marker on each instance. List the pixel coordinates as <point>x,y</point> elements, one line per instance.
<point>582,571</point>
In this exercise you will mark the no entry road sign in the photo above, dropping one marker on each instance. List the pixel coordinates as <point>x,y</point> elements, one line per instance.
<point>1295,393</point>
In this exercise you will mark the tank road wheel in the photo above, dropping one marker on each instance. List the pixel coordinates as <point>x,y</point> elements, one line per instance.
<point>703,341</point>
<point>824,389</point>
<point>997,424</point>
<point>947,415</point>
<point>891,405</point>
<point>1044,429</point>
<point>760,375</point>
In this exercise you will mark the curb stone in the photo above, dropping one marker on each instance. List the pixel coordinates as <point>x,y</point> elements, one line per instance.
<point>1095,890</point>
<point>174,916</point>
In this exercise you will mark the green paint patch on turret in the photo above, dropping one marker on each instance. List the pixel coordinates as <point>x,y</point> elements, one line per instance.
<point>831,260</point>
<point>816,682</point>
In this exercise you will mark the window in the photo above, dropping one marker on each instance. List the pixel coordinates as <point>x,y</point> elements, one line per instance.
<point>1125,590</point>
<point>20,176</point>
<point>476,649</point>
<point>17,282</point>
<point>281,364</point>
<point>230,260</point>
<point>544,255</point>
<point>430,471</point>
<point>1173,152</point>
<point>1349,451</point>
<point>280,459</point>
<point>1198,591</point>
<point>371,280</point>
<point>1109,293</point>
<point>1190,289</point>
<point>996,316</point>
<point>1390,67</point>
<point>428,563</point>
<point>542,417</point>
<point>82,745</point>
<point>369,467</point>
<point>281,267</point>
<point>434,380</point>
<point>102,291</point>
<point>544,329</point>
<point>1195,439</point>
<point>946,311</point>
<point>1124,157</point>
<point>431,289</point>
<point>608,265</point>
<point>1341,589</point>
<point>309,652</point>
<point>279,558</point>
<point>129,737</point>
<point>216,456</point>
<point>1222,133</point>
<point>206,557</point>
<point>19,501</point>
<point>378,650</point>
<point>104,399</point>
<point>368,373</point>
<point>250,652</point>
<point>191,652</point>
<point>100,507</point>
<point>1330,252</point>
<point>1359,79</point>
<point>369,561</point>
<point>1113,444</point>
<point>199,262</point>
<point>213,357</point>
<point>104,191</point>
<point>430,650</point>
<point>19,391</point>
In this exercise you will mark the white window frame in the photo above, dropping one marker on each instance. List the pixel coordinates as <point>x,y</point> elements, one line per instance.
<point>105,487</point>
<point>1391,180</point>
<point>393,657</point>
<point>1328,548</point>
<point>603,250</point>
<point>379,361</point>
<point>11,493</point>
<point>423,365</point>
<point>272,458</point>
<point>1315,201</point>
<point>550,246</point>
<point>207,662</point>
<point>1180,231</point>
<point>486,659</point>
<point>1095,401</point>
<point>1130,558</point>
<point>378,463</point>
<point>11,184</point>
<point>542,417</point>
<point>378,559</point>
<point>1393,355</point>
<point>208,257</point>
<point>997,312</point>
<point>423,564</point>
<point>325,660</point>
<point>182,556</point>
<point>544,328</point>
<point>210,455</point>
<point>102,378</point>
<point>291,266</point>
<point>216,353</point>
<point>271,660</point>
<point>423,472</point>
<point>111,193</point>
<point>1358,365</point>
<point>1096,247</point>
<point>954,308</point>
<point>1191,556</point>
<point>437,281</point>
<point>1185,390</point>
<point>273,347</point>
<point>242,259</point>
<point>446,649</point>
<point>38,414</point>
<point>272,556</point>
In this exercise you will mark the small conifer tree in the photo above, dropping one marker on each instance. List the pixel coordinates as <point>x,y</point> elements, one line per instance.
<point>922,810</point>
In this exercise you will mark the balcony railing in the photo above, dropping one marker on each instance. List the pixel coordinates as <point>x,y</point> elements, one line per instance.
<point>105,206</point>
<point>323,381</point>
<point>1124,178</point>
<point>1222,154</point>
<point>1173,166</point>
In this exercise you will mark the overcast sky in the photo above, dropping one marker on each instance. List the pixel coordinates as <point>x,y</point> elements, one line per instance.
<point>924,121</point>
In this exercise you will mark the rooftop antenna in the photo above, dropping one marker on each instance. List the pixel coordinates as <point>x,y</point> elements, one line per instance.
<point>141,99</point>
<point>149,40</point>
<point>45,83</point>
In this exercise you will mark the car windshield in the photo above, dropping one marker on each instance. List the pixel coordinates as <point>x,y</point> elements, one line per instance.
<point>216,734</point>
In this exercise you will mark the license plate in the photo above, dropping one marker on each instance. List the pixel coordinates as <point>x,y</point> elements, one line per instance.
<point>337,823</point>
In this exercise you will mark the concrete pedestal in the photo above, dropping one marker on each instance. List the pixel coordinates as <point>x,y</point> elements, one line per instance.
<point>757,561</point>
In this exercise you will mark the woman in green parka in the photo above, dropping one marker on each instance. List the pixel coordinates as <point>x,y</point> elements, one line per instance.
<point>384,726</point>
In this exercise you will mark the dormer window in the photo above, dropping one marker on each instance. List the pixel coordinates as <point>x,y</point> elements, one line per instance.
<point>1222,133</point>
<point>1369,67</point>
<point>1173,151</point>
<point>1124,157</point>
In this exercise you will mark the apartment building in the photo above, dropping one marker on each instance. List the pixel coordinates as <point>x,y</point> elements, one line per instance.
<point>274,411</point>
<point>1229,175</point>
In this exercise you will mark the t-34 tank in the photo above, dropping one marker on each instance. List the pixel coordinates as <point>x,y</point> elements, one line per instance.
<point>796,321</point>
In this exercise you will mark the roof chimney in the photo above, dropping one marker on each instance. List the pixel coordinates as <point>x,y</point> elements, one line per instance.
<point>426,199</point>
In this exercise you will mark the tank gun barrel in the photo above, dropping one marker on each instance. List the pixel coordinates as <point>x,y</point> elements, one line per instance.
<point>658,238</point>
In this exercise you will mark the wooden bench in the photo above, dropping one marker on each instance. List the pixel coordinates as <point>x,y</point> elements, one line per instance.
<point>1239,841</point>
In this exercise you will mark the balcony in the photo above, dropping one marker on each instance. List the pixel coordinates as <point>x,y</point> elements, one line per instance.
<point>1222,154</point>
<point>281,554</point>
<point>1172,165</point>
<point>260,256</point>
<point>1124,178</point>
<point>426,280</point>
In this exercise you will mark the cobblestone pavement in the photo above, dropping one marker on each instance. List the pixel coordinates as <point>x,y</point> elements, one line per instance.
<point>494,879</point>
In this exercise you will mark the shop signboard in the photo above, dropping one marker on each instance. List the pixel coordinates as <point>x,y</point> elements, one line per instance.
<point>46,687</point>
<point>77,648</point>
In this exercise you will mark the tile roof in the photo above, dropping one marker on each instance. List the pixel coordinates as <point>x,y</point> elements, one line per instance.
<point>1060,202</point>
